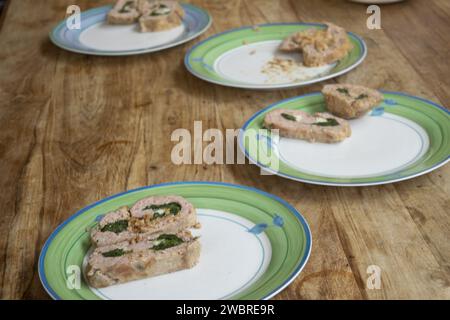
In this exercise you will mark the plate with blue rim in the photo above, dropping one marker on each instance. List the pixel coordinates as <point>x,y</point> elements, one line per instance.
<point>96,37</point>
<point>402,138</point>
<point>253,243</point>
<point>248,57</point>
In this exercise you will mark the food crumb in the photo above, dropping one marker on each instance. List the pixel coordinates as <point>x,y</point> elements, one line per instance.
<point>280,69</point>
<point>277,64</point>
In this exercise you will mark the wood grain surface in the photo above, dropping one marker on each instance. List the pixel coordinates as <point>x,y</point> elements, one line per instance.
<point>76,128</point>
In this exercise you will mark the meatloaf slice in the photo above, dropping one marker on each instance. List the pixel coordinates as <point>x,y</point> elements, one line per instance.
<point>124,12</point>
<point>160,15</point>
<point>317,127</point>
<point>319,47</point>
<point>297,40</point>
<point>127,261</point>
<point>350,101</point>
<point>112,228</point>
<point>148,217</point>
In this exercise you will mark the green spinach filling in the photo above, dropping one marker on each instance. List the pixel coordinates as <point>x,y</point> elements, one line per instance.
<point>127,7</point>
<point>288,116</point>
<point>361,96</point>
<point>161,10</point>
<point>114,253</point>
<point>166,241</point>
<point>116,227</point>
<point>343,91</point>
<point>331,122</point>
<point>162,210</point>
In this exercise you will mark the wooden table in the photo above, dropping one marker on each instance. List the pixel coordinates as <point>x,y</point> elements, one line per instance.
<point>76,128</point>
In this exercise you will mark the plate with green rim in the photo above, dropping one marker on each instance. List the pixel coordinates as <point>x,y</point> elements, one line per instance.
<point>244,58</point>
<point>96,37</point>
<point>402,138</point>
<point>253,245</point>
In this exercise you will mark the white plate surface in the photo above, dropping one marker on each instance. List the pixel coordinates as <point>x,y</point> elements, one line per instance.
<point>95,36</point>
<point>106,37</point>
<point>377,146</point>
<point>248,64</point>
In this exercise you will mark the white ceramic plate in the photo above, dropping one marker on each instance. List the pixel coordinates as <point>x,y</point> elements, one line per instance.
<point>97,37</point>
<point>253,245</point>
<point>244,58</point>
<point>402,138</point>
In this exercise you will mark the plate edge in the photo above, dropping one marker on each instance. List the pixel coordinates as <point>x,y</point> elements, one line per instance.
<point>297,214</point>
<point>362,184</point>
<point>282,86</point>
<point>121,54</point>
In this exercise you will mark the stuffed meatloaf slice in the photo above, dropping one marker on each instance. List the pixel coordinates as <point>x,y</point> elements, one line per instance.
<point>124,12</point>
<point>163,5</point>
<point>127,261</point>
<point>160,15</point>
<point>114,227</point>
<point>319,47</point>
<point>350,101</point>
<point>317,127</point>
<point>148,217</point>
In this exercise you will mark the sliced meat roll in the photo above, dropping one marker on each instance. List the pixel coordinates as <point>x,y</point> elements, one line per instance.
<point>160,15</point>
<point>147,218</point>
<point>165,214</point>
<point>317,127</point>
<point>319,47</point>
<point>124,12</point>
<point>350,101</point>
<point>127,261</point>
<point>113,228</point>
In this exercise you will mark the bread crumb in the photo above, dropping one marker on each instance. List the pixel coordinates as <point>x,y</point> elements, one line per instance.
<point>197,225</point>
<point>279,65</point>
<point>281,69</point>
